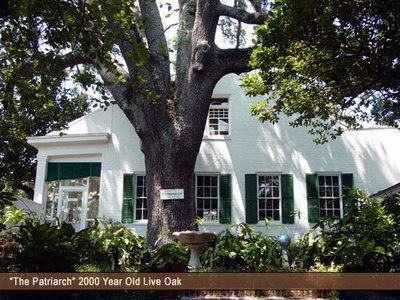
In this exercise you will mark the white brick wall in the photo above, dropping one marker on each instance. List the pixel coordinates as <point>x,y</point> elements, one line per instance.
<point>371,155</point>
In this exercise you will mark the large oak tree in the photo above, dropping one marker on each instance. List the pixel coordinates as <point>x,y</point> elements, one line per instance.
<point>123,43</point>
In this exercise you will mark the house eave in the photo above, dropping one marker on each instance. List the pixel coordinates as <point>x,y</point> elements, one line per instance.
<point>69,139</point>
<point>394,189</point>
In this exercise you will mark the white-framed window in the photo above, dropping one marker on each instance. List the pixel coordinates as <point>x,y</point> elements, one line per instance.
<point>207,191</point>
<point>269,197</point>
<point>218,122</point>
<point>141,198</point>
<point>329,194</point>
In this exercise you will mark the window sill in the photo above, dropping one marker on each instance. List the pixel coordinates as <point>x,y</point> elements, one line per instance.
<point>140,222</point>
<point>217,137</point>
<point>275,223</point>
<point>210,223</point>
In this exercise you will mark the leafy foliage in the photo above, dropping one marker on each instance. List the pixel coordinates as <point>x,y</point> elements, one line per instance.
<point>111,248</point>
<point>241,248</point>
<point>170,257</point>
<point>366,239</point>
<point>44,248</point>
<point>42,49</point>
<point>328,63</point>
<point>6,199</point>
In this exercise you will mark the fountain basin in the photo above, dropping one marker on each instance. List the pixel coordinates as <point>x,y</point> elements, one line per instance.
<point>194,240</point>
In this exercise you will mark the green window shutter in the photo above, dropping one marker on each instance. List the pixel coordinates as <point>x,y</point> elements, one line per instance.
<point>347,183</point>
<point>312,197</point>
<point>287,198</point>
<point>72,170</point>
<point>128,200</point>
<point>225,198</point>
<point>251,198</point>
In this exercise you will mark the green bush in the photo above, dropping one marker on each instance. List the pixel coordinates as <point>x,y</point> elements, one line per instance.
<point>241,248</point>
<point>43,248</point>
<point>170,257</point>
<point>365,239</point>
<point>111,248</point>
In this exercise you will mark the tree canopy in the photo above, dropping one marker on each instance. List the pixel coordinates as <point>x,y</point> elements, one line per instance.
<point>119,48</point>
<point>34,98</point>
<point>328,64</point>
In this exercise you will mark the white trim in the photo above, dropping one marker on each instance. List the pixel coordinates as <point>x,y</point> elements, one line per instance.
<point>329,173</point>
<point>219,96</point>
<point>55,140</point>
<point>278,173</point>
<point>217,137</point>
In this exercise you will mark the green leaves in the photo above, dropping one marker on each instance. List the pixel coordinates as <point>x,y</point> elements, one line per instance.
<point>365,239</point>
<point>241,248</point>
<point>328,65</point>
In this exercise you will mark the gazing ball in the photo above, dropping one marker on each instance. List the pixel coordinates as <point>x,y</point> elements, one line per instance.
<point>284,240</point>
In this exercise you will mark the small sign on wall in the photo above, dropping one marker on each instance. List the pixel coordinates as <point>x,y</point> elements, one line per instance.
<point>171,194</point>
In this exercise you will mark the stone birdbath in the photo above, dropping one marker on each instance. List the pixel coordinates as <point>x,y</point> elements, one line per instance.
<point>194,240</point>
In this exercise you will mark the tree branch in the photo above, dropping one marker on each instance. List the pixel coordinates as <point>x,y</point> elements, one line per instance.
<point>153,26</point>
<point>71,60</point>
<point>232,60</point>
<point>241,15</point>
<point>121,90</point>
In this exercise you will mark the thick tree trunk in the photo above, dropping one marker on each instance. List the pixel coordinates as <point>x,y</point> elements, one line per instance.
<point>170,157</point>
<point>167,171</point>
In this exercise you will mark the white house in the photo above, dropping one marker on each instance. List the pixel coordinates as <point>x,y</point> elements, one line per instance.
<point>263,170</point>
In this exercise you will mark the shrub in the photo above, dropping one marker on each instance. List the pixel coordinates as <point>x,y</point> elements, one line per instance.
<point>43,248</point>
<point>365,239</point>
<point>170,257</point>
<point>111,248</point>
<point>241,248</point>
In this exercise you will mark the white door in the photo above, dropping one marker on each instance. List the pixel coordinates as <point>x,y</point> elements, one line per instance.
<point>72,206</point>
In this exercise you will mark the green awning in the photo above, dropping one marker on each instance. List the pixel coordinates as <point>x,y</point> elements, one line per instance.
<point>72,170</point>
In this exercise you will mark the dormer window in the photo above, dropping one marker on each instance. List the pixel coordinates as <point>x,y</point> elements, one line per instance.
<point>218,117</point>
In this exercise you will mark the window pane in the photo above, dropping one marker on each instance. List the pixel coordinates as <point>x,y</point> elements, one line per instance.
<point>269,204</point>
<point>207,191</point>
<point>214,192</point>
<point>141,198</point>
<point>214,204</point>
<point>138,214</point>
<point>269,197</point>
<point>262,203</point>
<point>276,203</point>
<point>329,194</point>
<point>336,192</point>
<point>207,197</point>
